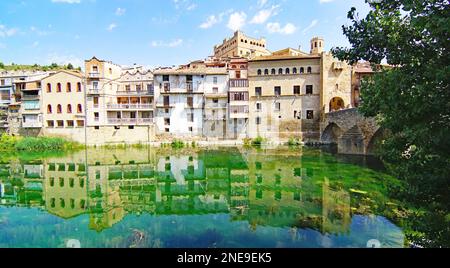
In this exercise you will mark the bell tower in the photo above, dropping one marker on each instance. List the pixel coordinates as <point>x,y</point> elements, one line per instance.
<point>317,45</point>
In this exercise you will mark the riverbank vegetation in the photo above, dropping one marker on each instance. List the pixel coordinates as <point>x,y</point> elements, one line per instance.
<point>410,99</point>
<point>36,144</point>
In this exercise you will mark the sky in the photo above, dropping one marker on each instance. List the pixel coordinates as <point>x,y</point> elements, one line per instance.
<point>157,33</point>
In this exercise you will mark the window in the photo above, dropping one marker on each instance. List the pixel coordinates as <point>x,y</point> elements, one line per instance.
<point>302,70</point>
<point>167,130</point>
<point>215,90</point>
<point>294,71</point>
<point>96,127</point>
<point>258,106</point>
<point>259,72</point>
<point>190,117</point>
<point>96,116</point>
<point>110,71</point>
<point>138,88</point>
<point>68,87</point>
<point>70,123</point>
<point>258,120</point>
<point>80,123</point>
<point>49,88</point>
<point>79,108</point>
<point>94,69</point>
<point>165,78</point>
<point>280,71</point>
<point>309,70</point>
<point>69,109</point>
<point>273,72</point>
<point>266,72</point>
<point>288,71</point>
<point>337,87</point>
<point>277,91</point>
<point>78,87</point>
<point>58,87</point>
<point>60,123</point>
<point>296,90</point>
<point>258,91</point>
<point>215,80</point>
<point>190,101</point>
<point>130,127</point>
<point>167,121</point>
<point>59,108</point>
<point>277,106</point>
<point>238,74</point>
<point>127,88</point>
<point>309,114</point>
<point>49,109</point>
<point>95,102</point>
<point>191,129</point>
<point>50,123</point>
<point>309,89</point>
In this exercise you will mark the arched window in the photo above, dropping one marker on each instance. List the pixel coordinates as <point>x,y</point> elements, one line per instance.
<point>309,70</point>
<point>294,71</point>
<point>79,108</point>
<point>68,87</point>
<point>259,72</point>
<point>280,71</point>
<point>58,87</point>
<point>59,108</point>
<point>49,109</point>
<point>266,72</point>
<point>78,87</point>
<point>302,70</point>
<point>49,88</point>
<point>288,71</point>
<point>69,109</point>
<point>273,72</point>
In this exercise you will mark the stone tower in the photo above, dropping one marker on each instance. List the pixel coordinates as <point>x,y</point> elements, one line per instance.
<point>317,45</point>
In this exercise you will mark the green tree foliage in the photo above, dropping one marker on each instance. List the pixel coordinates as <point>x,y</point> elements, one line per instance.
<point>411,100</point>
<point>69,66</point>
<point>2,66</point>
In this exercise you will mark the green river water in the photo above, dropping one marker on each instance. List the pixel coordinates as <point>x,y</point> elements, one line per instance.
<point>218,197</point>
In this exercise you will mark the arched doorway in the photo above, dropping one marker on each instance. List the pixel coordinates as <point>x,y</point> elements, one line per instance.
<point>336,104</point>
<point>331,134</point>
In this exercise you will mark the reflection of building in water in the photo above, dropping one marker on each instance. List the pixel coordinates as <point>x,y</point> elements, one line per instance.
<point>265,189</point>
<point>65,189</point>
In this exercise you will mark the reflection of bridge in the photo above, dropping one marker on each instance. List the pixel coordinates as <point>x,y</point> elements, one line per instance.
<point>352,132</point>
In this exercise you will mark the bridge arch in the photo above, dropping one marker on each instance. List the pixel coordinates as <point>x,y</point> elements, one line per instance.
<point>352,142</point>
<point>332,133</point>
<point>375,141</point>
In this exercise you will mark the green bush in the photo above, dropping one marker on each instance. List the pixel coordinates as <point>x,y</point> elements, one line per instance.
<point>258,141</point>
<point>247,142</point>
<point>177,144</point>
<point>32,144</point>
<point>294,142</point>
<point>7,143</point>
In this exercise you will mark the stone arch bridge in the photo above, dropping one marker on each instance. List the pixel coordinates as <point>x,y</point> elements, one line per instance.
<point>352,132</point>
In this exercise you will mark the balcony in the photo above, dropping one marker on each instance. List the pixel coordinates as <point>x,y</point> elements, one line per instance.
<point>113,106</point>
<point>130,121</point>
<point>216,106</point>
<point>136,93</point>
<point>93,91</point>
<point>239,112</point>
<point>32,124</point>
<point>234,83</point>
<point>216,94</point>
<point>180,88</point>
<point>94,75</point>
<point>215,118</point>
<point>31,97</point>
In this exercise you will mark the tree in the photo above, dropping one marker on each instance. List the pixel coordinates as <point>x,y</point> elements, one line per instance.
<point>2,66</point>
<point>70,66</point>
<point>411,100</point>
<point>53,66</point>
